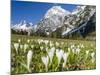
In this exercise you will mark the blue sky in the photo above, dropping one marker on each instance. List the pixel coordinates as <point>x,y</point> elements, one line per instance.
<point>32,11</point>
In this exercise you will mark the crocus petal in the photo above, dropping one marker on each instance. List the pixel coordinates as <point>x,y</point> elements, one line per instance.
<point>78,50</point>
<point>87,52</point>
<point>92,54</point>
<point>28,41</point>
<point>19,40</point>
<point>29,58</point>
<point>21,47</point>
<point>59,54</point>
<point>16,46</point>
<point>51,53</point>
<point>25,47</point>
<point>65,57</point>
<point>45,60</point>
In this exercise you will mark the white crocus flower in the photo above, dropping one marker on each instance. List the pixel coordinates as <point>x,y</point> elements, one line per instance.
<point>32,46</point>
<point>73,50</point>
<point>78,50</point>
<point>19,40</point>
<point>57,44</point>
<point>92,54</point>
<point>16,46</point>
<point>53,49</point>
<point>39,41</point>
<point>21,47</point>
<point>25,47</point>
<point>59,54</point>
<point>47,49</point>
<point>93,57</point>
<point>65,57</point>
<point>45,60</point>
<point>91,45</point>
<point>61,51</point>
<point>82,46</point>
<point>42,40</point>
<point>51,44</point>
<point>41,47</point>
<point>29,59</point>
<point>51,53</point>
<point>28,41</point>
<point>78,46</point>
<point>93,60</point>
<point>72,46</point>
<point>46,42</point>
<point>69,49</point>
<point>87,52</point>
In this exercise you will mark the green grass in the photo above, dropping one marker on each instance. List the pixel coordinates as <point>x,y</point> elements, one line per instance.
<point>75,61</point>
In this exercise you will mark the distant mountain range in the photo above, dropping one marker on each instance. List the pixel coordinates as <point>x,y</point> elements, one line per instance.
<point>62,22</point>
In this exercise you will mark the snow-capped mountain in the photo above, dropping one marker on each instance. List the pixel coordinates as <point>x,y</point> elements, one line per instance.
<point>57,17</point>
<point>24,28</point>
<point>52,20</point>
<point>59,21</point>
<point>78,10</point>
<point>81,15</point>
<point>56,10</point>
<point>23,25</point>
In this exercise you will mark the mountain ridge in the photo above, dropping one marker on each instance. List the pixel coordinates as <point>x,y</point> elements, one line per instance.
<point>55,18</point>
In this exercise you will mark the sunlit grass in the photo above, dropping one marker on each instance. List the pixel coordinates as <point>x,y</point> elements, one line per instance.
<point>37,54</point>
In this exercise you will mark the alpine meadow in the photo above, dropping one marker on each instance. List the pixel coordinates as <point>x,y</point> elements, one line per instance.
<point>52,37</point>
